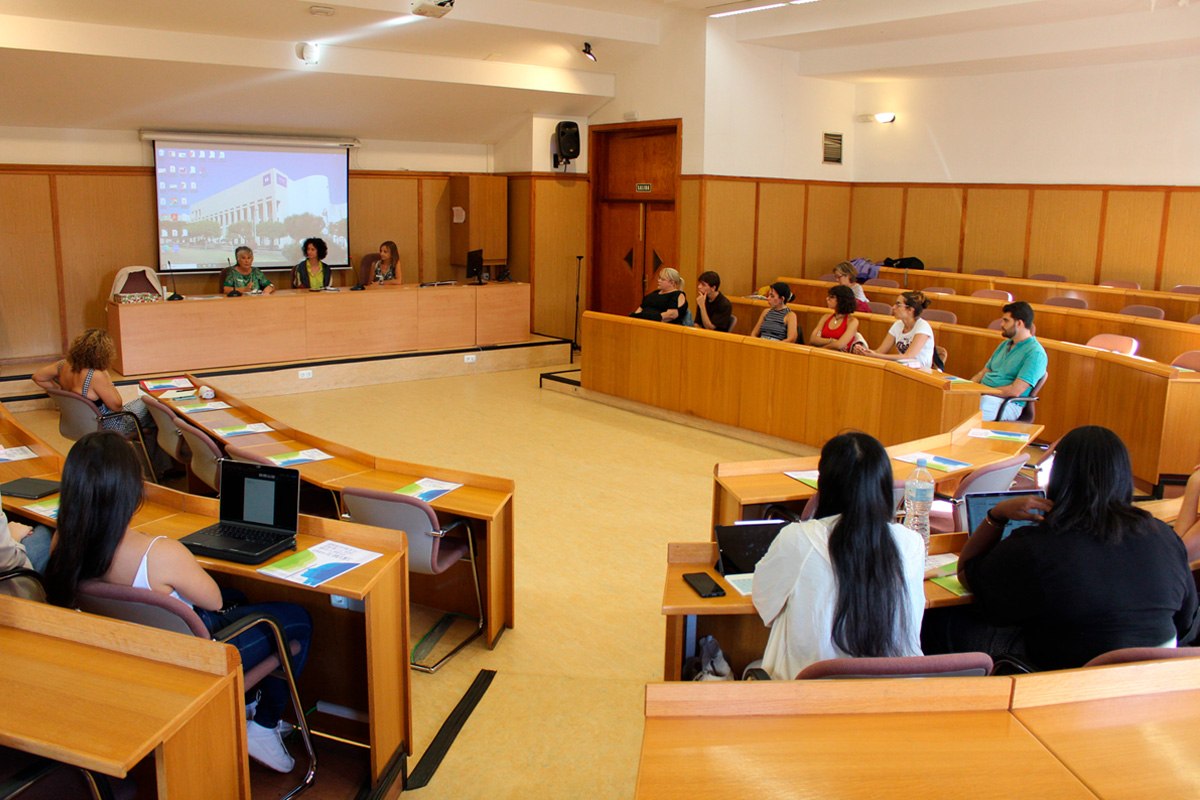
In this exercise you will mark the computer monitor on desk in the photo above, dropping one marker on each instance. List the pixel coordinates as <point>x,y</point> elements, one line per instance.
<point>475,266</point>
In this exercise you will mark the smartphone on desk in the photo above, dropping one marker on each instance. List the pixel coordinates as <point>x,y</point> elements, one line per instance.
<point>704,585</point>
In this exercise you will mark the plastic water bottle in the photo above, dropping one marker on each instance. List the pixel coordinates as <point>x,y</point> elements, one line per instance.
<point>918,498</point>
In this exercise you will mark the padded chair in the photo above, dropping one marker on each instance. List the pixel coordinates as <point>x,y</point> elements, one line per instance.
<point>23,583</point>
<point>429,551</point>
<point>732,324</point>
<point>1189,360</point>
<point>1194,319</point>
<point>206,455</point>
<point>810,508</point>
<point>1130,655</point>
<point>939,269</point>
<point>950,665</point>
<point>1067,302</point>
<point>1185,288</point>
<point>950,514</point>
<point>828,277</point>
<point>940,315</point>
<point>1122,284</point>
<point>78,416</point>
<point>883,283</point>
<point>1036,474</point>
<point>1027,412</point>
<point>938,290</point>
<point>879,308</point>
<point>1115,343</point>
<point>1149,312</point>
<point>1048,276</point>
<point>169,438</point>
<point>996,325</point>
<point>993,294</point>
<point>157,610</point>
<point>995,273</point>
<point>366,268</point>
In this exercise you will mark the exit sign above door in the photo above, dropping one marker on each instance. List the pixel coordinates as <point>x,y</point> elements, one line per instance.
<point>643,187</point>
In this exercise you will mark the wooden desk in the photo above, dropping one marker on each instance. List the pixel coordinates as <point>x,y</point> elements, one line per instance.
<point>297,325</point>
<point>103,695</point>
<point>486,501</point>
<point>843,739</point>
<point>13,434</point>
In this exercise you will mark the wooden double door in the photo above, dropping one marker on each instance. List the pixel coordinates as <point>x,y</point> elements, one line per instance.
<point>635,220</point>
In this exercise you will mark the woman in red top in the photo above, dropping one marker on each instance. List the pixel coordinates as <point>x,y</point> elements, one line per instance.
<point>837,329</point>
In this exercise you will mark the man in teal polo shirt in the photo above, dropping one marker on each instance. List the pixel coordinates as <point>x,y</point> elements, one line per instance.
<point>1016,366</point>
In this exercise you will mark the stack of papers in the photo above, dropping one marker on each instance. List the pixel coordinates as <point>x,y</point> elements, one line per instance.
<point>195,408</point>
<point>806,476</point>
<point>428,489</point>
<point>242,430</point>
<point>158,384</point>
<point>941,565</point>
<point>16,453</point>
<point>935,462</point>
<point>298,457</point>
<point>177,394</point>
<point>319,563</point>
<point>1004,436</point>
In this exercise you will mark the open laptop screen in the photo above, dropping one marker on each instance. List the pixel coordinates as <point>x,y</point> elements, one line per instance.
<point>743,546</point>
<point>261,496</point>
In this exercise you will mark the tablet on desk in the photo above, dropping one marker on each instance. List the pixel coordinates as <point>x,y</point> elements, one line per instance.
<point>978,505</point>
<point>29,488</point>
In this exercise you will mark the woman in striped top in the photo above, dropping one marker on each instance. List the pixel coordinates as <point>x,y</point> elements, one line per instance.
<point>778,322</point>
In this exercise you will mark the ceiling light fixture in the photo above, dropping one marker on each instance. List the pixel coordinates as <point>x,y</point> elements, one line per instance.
<point>587,51</point>
<point>308,53</point>
<point>746,10</point>
<point>321,11</point>
<point>801,2</point>
<point>882,117</point>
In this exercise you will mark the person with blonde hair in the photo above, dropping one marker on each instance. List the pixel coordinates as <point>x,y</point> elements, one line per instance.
<point>667,303</point>
<point>847,275</point>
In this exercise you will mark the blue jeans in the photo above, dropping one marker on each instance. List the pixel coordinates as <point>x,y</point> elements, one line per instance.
<point>990,404</point>
<point>258,643</point>
<point>37,547</point>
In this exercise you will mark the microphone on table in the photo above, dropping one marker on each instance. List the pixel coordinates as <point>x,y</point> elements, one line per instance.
<point>175,295</point>
<point>235,292</point>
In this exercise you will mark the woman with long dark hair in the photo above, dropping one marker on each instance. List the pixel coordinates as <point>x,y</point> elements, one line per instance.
<point>1093,574</point>
<point>101,491</point>
<point>850,581</point>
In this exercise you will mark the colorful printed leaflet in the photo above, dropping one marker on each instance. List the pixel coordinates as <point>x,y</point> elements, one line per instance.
<point>16,453</point>
<point>46,508</point>
<point>950,583</point>
<point>806,476</point>
<point>319,563</point>
<point>428,489</point>
<point>196,408</point>
<point>1004,436</point>
<point>298,457</point>
<point>242,430</point>
<point>935,462</point>
<point>158,384</point>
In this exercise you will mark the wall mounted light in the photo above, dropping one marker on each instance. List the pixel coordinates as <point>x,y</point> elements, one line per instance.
<point>587,51</point>
<point>883,117</point>
<point>308,53</point>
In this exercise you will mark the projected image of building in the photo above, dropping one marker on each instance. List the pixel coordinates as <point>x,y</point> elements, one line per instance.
<point>270,195</point>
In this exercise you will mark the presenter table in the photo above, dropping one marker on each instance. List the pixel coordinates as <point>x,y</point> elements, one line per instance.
<point>295,325</point>
<point>103,695</point>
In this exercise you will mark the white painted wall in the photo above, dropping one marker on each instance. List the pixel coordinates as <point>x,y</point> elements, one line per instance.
<point>527,147</point>
<point>761,119</point>
<point>1135,123</point>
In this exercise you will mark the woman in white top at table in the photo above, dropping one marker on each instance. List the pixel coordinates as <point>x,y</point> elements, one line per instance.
<point>911,336</point>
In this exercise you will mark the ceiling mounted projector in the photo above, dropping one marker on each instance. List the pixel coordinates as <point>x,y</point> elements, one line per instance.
<point>432,8</point>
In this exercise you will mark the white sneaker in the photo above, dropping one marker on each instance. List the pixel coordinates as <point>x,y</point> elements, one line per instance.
<point>284,727</point>
<point>251,707</point>
<point>267,748</point>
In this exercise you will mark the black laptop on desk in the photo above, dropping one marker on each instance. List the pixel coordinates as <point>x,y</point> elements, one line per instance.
<point>260,511</point>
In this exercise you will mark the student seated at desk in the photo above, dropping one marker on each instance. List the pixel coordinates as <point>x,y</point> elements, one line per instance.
<point>312,272</point>
<point>245,276</point>
<point>837,330</point>
<point>1093,574</point>
<point>667,303</point>
<point>714,312</point>
<point>851,581</point>
<point>778,322</point>
<point>910,335</point>
<point>101,489</point>
<point>85,372</point>
<point>1187,524</point>
<point>847,275</point>
<point>387,268</point>
<point>23,546</point>
<point>1016,366</point>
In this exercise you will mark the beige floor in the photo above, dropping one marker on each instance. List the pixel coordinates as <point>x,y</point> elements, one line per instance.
<point>600,493</point>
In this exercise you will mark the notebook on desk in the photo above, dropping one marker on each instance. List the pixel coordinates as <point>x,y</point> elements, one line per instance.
<point>741,547</point>
<point>260,512</point>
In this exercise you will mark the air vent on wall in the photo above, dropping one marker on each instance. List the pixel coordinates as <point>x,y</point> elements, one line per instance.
<point>833,148</point>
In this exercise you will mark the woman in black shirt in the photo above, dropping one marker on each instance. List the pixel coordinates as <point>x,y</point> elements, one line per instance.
<point>667,303</point>
<point>1093,574</point>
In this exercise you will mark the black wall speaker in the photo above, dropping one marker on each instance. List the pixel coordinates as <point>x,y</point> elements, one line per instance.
<point>566,141</point>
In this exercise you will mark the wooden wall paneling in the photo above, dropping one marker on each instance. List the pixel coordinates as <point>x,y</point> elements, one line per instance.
<point>772,373</point>
<point>708,355</point>
<point>1123,411</point>
<point>1181,439</point>
<point>1064,233</point>
<point>435,229</point>
<point>932,224</point>
<point>780,230</point>
<point>1181,253</point>
<point>729,234</point>
<point>995,230</point>
<point>688,209</point>
<point>1133,224</point>
<point>911,398</point>
<point>385,209</point>
<point>827,228</point>
<point>605,339</point>
<point>560,234</point>
<point>520,228</point>
<point>656,364</point>
<point>31,326</point>
<point>834,380</point>
<point>106,222</point>
<point>875,222</point>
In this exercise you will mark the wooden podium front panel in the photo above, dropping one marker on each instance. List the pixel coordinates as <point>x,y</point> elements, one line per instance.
<point>356,323</point>
<point>445,317</point>
<point>204,333</point>
<point>501,313</point>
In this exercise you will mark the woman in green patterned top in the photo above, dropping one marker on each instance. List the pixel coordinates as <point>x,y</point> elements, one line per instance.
<point>387,268</point>
<point>245,276</point>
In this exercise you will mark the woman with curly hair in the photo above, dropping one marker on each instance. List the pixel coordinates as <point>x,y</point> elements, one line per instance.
<point>312,273</point>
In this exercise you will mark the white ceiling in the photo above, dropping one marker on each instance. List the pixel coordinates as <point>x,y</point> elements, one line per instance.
<point>479,72</point>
